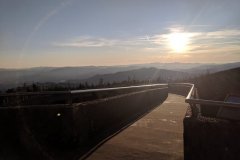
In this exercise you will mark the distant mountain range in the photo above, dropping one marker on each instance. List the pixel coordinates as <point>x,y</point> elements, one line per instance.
<point>212,68</point>
<point>143,74</point>
<point>92,74</point>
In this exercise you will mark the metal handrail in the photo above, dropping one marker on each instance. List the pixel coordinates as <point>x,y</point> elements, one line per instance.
<point>191,100</point>
<point>214,103</point>
<point>70,94</point>
<point>78,91</point>
<point>190,92</point>
<point>117,88</point>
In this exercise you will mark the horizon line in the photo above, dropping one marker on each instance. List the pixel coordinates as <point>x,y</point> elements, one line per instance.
<point>119,65</point>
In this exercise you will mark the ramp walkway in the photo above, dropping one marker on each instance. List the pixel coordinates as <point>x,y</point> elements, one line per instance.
<point>157,135</point>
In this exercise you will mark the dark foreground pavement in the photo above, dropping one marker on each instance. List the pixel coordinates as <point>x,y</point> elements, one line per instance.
<point>156,136</point>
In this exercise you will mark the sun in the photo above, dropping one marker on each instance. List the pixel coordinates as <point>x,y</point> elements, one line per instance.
<point>178,41</point>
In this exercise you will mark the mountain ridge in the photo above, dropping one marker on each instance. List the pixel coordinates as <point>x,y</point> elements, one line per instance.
<point>16,77</point>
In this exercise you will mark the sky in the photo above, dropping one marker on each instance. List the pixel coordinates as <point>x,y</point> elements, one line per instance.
<point>118,32</point>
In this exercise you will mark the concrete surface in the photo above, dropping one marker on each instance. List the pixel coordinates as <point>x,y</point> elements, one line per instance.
<point>156,136</point>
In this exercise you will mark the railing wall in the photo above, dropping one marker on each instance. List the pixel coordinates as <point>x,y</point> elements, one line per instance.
<point>46,130</point>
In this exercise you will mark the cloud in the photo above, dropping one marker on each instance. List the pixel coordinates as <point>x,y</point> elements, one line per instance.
<point>199,41</point>
<point>86,41</point>
<point>223,34</point>
<point>219,41</point>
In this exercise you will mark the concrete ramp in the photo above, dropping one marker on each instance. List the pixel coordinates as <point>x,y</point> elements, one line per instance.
<point>156,136</point>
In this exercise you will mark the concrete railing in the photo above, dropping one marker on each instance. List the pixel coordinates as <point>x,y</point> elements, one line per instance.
<point>208,136</point>
<point>43,131</point>
<point>86,117</point>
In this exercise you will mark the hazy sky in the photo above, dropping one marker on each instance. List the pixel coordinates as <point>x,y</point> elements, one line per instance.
<point>113,32</point>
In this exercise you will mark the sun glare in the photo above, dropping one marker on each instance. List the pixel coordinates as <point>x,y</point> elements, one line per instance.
<point>178,42</point>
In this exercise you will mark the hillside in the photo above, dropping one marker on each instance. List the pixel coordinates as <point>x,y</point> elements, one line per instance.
<point>143,74</point>
<point>217,85</point>
<point>211,68</point>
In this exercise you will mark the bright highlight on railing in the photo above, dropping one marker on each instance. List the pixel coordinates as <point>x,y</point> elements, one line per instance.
<point>69,97</point>
<point>117,88</point>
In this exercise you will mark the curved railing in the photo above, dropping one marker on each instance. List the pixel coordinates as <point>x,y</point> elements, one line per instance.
<point>68,97</point>
<point>75,96</point>
<point>74,126</point>
<point>193,100</point>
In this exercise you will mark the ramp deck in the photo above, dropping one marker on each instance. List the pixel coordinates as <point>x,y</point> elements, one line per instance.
<point>157,135</point>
